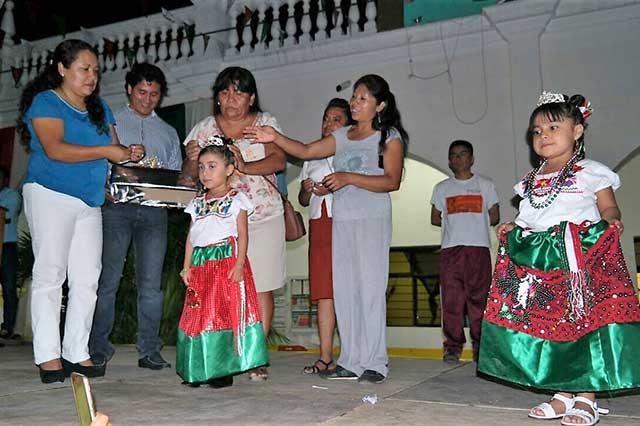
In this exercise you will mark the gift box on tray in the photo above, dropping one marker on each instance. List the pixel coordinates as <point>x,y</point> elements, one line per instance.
<point>149,186</point>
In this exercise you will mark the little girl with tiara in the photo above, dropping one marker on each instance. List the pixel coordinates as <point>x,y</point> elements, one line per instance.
<point>220,333</point>
<point>562,314</point>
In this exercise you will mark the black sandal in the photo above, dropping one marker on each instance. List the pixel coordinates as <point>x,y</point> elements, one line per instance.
<point>314,369</point>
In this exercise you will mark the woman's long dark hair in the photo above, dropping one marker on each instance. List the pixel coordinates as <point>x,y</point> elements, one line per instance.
<point>49,78</point>
<point>390,116</point>
<point>244,82</point>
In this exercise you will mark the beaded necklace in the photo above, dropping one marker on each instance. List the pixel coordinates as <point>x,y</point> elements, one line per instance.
<point>556,182</point>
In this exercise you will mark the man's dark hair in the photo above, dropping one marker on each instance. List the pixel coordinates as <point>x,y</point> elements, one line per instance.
<point>463,143</point>
<point>146,71</point>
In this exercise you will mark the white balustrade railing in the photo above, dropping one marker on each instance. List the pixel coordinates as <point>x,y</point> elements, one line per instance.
<point>156,38</point>
<point>307,22</point>
<point>172,37</point>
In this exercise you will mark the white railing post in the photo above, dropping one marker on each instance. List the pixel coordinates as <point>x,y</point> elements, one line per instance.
<point>291,25</point>
<point>152,53</point>
<point>163,52</point>
<point>305,25</point>
<point>24,78</point>
<point>174,51</point>
<point>262,8</point>
<point>132,43</point>
<point>101,61</point>
<point>8,24</point>
<point>275,25</point>
<point>184,43</point>
<point>120,60</point>
<point>321,22</point>
<point>371,14</point>
<point>354,16</point>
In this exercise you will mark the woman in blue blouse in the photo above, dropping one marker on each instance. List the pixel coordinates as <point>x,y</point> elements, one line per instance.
<point>69,130</point>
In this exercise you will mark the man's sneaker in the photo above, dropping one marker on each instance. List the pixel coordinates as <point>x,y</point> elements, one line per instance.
<point>153,362</point>
<point>451,357</point>
<point>338,373</point>
<point>371,376</point>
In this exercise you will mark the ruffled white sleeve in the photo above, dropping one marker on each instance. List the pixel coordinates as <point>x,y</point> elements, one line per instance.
<point>519,187</point>
<point>266,119</point>
<point>242,202</point>
<point>191,209</point>
<point>600,176</point>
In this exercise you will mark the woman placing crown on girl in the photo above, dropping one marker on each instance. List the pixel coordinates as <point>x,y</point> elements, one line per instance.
<point>562,313</point>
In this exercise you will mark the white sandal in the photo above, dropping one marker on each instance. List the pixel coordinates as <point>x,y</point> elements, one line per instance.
<point>549,412</point>
<point>590,418</point>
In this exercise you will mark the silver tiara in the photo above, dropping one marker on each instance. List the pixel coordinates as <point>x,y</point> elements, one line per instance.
<point>550,98</point>
<point>215,140</point>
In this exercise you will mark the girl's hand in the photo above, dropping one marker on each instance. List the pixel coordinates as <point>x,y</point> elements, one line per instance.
<point>236,274</point>
<point>503,228</point>
<point>262,134</point>
<point>238,160</point>
<point>185,274</point>
<point>136,152</point>
<point>192,150</point>
<point>307,185</point>
<point>335,181</point>
<point>618,224</point>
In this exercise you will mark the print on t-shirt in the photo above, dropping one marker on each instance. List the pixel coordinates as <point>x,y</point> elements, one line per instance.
<point>464,204</point>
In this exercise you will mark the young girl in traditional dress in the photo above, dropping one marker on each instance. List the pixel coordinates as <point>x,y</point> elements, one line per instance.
<point>220,333</point>
<point>562,313</point>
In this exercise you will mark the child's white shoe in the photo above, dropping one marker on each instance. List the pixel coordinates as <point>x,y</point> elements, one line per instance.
<point>590,418</point>
<point>549,412</point>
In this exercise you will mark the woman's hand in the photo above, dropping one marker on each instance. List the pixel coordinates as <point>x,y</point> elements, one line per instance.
<point>335,181</point>
<point>136,152</point>
<point>320,190</point>
<point>236,274</point>
<point>237,155</point>
<point>503,228</point>
<point>185,274</point>
<point>262,134</point>
<point>117,153</point>
<point>192,150</point>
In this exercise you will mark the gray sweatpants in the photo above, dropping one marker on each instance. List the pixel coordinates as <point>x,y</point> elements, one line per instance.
<point>360,254</point>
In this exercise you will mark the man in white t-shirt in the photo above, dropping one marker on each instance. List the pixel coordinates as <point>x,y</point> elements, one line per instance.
<point>464,206</point>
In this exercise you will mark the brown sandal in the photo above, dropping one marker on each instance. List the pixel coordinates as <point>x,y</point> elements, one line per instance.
<point>314,369</point>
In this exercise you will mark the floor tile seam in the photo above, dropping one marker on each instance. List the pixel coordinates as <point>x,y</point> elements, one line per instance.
<point>441,373</point>
<point>493,407</point>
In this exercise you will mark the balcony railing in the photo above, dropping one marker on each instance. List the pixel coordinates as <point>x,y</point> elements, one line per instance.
<point>262,25</point>
<point>173,37</point>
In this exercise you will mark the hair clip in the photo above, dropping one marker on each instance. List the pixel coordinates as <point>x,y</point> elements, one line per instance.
<point>550,98</point>
<point>586,109</point>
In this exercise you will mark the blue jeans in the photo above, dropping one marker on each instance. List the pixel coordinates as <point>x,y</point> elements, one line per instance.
<point>147,228</point>
<point>8,276</point>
